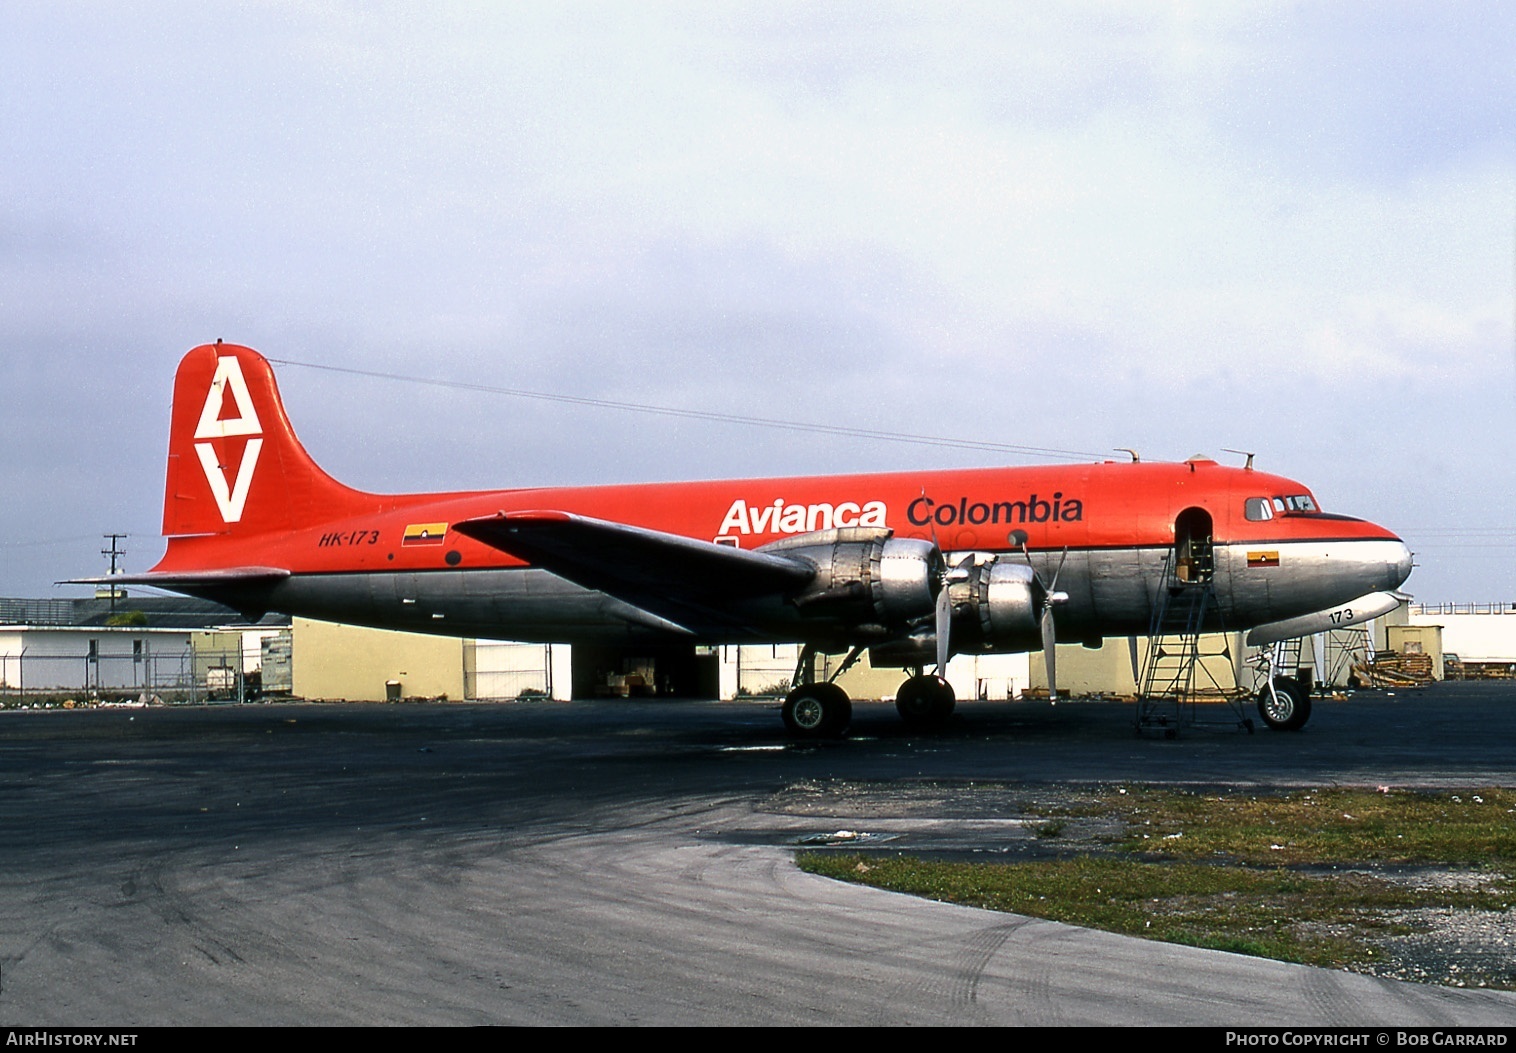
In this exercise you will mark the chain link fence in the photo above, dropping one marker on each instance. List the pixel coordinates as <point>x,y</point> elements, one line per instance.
<point>181,676</point>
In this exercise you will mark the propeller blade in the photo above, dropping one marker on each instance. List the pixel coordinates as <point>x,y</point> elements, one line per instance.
<point>1050,598</point>
<point>944,626</point>
<point>1050,651</point>
<point>1131,643</point>
<point>1053,586</point>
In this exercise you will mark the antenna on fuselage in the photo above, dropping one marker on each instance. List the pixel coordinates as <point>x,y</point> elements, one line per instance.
<point>1241,453</point>
<point>1136,459</point>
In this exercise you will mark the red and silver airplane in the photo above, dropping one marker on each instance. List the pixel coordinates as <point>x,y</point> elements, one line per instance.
<point>910,567</point>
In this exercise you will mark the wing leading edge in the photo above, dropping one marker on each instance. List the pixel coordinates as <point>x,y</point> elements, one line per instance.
<point>673,576</point>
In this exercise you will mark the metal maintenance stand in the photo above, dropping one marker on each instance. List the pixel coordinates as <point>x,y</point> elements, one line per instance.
<point>1187,643</point>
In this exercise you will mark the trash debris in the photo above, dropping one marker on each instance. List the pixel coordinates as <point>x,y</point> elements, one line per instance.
<point>844,837</point>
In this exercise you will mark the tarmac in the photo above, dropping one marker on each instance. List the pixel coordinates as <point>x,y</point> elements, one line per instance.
<point>631,863</point>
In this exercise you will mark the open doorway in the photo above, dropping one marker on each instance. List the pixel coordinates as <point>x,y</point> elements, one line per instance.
<point>1194,558</point>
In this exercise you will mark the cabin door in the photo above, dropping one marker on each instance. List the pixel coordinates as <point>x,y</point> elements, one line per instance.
<point>1194,559</point>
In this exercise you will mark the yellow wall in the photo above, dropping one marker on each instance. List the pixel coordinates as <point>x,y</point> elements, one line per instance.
<point>1419,639</point>
<point>1107,670</point>
<point>334,661</point>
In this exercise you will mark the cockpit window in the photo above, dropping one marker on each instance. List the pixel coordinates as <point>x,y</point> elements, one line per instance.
<point>1295,504</point>
<point>1257,509</point>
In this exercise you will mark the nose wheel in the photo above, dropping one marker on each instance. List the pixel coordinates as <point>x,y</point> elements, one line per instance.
<point>1284,705</point>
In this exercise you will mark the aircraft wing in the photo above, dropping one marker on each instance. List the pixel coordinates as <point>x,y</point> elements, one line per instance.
<point>671,575</point>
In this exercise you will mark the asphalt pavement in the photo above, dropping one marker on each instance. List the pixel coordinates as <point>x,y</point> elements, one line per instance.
<point>630,863</point>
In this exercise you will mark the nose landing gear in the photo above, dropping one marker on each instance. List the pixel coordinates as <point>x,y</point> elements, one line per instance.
<point>1284,704</point>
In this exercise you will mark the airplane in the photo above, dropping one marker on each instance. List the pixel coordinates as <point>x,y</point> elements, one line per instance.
<point>908,567</point>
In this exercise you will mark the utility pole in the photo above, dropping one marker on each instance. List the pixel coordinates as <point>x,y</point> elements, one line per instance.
<point>115,552</point>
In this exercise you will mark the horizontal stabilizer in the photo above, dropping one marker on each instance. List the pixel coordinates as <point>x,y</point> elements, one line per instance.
<point>197,579</point>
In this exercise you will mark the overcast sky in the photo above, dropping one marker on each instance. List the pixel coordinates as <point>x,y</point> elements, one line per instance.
<point>1284,228</point>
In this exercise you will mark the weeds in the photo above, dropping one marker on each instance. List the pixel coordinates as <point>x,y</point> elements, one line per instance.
<point>1315,876</point>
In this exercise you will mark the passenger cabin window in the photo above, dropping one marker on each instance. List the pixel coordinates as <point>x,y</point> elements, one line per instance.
<point>1257,509</point>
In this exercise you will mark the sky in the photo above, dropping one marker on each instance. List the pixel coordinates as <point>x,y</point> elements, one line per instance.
<point>1182,228</point>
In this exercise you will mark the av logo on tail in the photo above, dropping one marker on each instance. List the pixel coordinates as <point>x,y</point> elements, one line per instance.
<point>230,497</point>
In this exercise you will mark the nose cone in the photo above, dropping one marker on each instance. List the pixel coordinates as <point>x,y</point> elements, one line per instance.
<point>1399,568</point>
<point>1378,562</point>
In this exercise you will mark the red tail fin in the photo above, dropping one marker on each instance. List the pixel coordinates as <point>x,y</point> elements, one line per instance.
<point>234,464</point>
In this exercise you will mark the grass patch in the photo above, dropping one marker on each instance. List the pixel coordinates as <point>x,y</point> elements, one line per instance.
<point>1336,878</point>
<point>1050,829</point>
<point>1318,826</point>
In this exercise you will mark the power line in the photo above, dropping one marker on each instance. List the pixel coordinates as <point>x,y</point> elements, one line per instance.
<point>49,542</point>
<point>707,415</point>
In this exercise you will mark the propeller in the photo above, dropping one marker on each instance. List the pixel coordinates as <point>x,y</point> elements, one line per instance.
<point>1051,597</point>
<point>942,618</point>
<point>942,622</point>
<point>944,625</point>
<point>960,570</point>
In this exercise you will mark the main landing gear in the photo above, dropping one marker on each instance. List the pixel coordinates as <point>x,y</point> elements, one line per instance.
<point>817,711</point>
<point>823,711</point>
<point>925,701</point>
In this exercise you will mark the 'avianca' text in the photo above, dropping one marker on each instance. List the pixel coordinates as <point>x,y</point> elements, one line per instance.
<point>784,518</point>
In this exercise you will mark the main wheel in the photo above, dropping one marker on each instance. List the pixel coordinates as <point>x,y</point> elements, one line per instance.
<point>925,701</point>
<point>817,711</point>
<point>1287,707</point>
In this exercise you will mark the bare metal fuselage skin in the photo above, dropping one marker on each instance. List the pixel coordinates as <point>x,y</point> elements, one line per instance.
<point>1111,593</point>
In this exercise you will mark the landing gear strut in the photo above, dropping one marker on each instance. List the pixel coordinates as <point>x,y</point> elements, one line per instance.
<point>925,701</point>
<point>817,711</point>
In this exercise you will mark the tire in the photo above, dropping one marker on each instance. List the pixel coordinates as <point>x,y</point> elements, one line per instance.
<point>817,711</point>
<point>925,702</point>
<point>1287,708</point>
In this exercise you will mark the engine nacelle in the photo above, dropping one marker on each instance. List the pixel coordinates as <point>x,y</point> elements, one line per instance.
<point>996,608</point>
<point>866,578</point>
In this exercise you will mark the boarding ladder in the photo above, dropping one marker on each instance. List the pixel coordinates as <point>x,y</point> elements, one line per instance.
<point>1188,647</point>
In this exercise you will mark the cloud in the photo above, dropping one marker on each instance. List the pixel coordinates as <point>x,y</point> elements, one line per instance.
<point>1046,226</point>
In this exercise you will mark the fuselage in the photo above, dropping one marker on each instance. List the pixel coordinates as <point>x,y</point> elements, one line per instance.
<point>1112,532</point>
<point>908,567</point>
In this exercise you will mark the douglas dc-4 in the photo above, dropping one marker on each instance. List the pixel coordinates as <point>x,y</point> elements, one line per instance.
<point>909,567</point>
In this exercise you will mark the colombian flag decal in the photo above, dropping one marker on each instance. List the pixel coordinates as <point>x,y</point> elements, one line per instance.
<point>1255,559</point>
<point>424,534</point>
